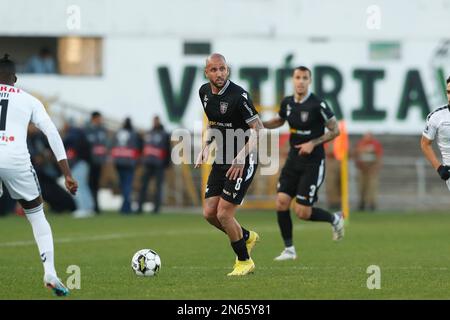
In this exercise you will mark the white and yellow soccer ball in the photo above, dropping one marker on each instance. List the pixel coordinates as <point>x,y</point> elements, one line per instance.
<point>146,263</point>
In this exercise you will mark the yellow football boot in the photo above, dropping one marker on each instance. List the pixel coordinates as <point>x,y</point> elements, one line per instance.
<point>253,238</point>
<point>242,268</point>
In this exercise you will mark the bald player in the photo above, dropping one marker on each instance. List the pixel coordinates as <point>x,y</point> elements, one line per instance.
<point>233,124</point>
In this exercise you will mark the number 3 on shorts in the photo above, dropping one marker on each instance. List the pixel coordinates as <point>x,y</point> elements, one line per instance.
<point>312,190</point>
<point>238,184</point>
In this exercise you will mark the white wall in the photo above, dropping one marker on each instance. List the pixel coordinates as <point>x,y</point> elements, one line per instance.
<point>140,36</point>
<point>412,19</point>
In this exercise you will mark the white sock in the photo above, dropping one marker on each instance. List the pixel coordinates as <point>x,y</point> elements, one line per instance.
<point>43,237</point>
<point>336,218</point>
<point>291,249</point>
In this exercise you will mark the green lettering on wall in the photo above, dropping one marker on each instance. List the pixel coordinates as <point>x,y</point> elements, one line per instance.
<point>176,102</point>
<point>331,95</point>
<point>255,77</point>
<point>368,111</point>
<point>442,82</point>
<point>413,95</point>
<point>280,78</point>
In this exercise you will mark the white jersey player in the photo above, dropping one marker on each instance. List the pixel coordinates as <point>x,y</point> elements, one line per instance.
<point>438,127</point>
<point>17,110</point>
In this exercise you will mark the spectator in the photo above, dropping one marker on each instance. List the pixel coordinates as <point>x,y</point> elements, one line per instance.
<point>41,63</point>
<point>368,155</point>
<point>125,152</point>
<point>78,154</point>
<point>333,180</point>
<point>98,137</point>
<point>45,166</point>
<point>156,158</point>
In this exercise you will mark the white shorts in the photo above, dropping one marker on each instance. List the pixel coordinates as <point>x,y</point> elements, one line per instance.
<point>22,184</point>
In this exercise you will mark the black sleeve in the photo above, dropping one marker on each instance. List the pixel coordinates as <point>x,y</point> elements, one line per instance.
<point>246,108</point>
<point>201,93</point>
<point>326,111</point>
<point>282,111</point>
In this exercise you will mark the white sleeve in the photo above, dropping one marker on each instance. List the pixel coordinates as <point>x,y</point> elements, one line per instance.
<point>42,120</point>
<point>430,128</point>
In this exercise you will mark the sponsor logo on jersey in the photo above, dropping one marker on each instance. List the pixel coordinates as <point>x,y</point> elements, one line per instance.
<point>304,116</point>
<point>288,110</point>
<point>4,139</point>
<point>9,89</point>
<point>205,101</point>
<point>228,193</point>
<point>234,195</point>
<point>223,107</point>
<point>244,94</point>
<point>220,124</point>
<point>302,132</point>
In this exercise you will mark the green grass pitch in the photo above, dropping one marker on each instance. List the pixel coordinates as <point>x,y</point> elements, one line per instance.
<point>412,250</point>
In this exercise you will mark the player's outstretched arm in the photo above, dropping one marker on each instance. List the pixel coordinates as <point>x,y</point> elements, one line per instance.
<point>333,132</point>
<point>237,167</point>
<point>274,123</point>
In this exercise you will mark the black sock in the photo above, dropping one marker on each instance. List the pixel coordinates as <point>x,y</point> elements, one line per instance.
<point>285,224</point>
<point>245,233</point>
<point>318,214</point>
<point>240,249</point>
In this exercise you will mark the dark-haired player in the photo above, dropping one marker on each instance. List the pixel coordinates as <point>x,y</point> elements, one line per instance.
<point>304,170</point>
<point>234,125</point>
<point>17,109</point>
<point>438,126</point>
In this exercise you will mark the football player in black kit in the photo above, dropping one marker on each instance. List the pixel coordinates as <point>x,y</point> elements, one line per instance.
<point>232,120</point>
<point>304,170</point>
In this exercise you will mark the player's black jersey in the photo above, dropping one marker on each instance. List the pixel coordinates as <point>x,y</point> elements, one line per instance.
<point>229,112</point>
<point>307,121</point>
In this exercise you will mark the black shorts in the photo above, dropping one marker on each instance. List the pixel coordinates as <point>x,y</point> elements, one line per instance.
<point>230,190</point>
<point>302,180</point>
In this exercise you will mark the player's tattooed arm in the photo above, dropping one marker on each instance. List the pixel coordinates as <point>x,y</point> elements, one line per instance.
<point>333,132</point>
<point>237,167</point>
<point>204,153</point>
<point>274,123</point>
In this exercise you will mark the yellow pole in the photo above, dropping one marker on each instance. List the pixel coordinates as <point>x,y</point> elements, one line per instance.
<point>344,186</point>
<point>206,168</point>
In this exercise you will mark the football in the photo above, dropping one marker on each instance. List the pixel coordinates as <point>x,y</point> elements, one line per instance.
<point>146,263</point>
